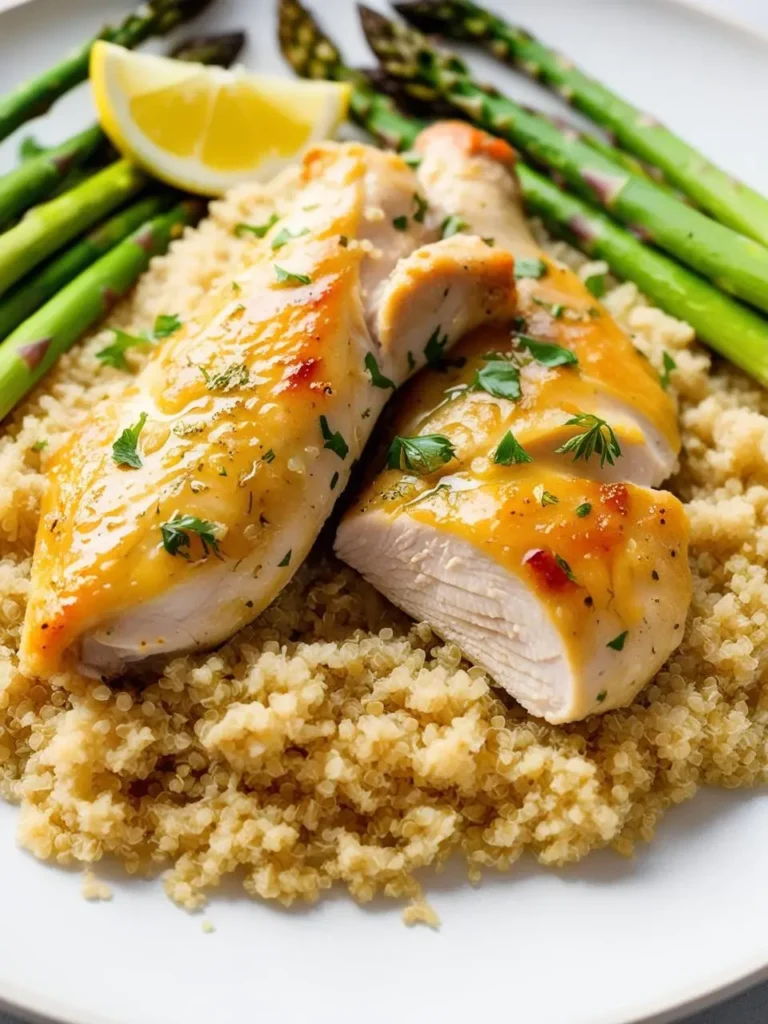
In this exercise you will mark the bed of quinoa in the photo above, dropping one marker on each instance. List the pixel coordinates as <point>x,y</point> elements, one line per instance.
<point>336,741</point>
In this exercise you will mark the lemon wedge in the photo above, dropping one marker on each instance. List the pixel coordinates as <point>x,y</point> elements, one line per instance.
<point>205,129</point>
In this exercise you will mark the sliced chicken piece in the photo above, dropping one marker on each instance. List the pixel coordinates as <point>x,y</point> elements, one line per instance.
<point>244,428</point>
<point>570,592</point>
<point>567,585</point>
<point>614,381</point>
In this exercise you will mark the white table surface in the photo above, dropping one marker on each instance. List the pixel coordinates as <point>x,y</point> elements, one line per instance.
<point>751,1007</point>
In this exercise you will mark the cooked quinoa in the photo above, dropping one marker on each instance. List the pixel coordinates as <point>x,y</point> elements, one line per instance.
<point>335,740</point>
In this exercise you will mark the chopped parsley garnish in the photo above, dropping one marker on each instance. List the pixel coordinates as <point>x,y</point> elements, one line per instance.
<point>433,350</point>
<point>598,439</point>
<point>268,456</point>
<point>285,235</point>
<point>288,277</point>
<point>165,325</point>
<point>176,535</point>
<point>114,354</point>
<point>555,309</point>
<point>490,242</point>
<point>421,208</point>
<point>530,267</point>
<point>601,696</point>
<point>411,158</point>
<point>617,644</point>
<point>125,449</point>
<point>583,510</point>
<point>260,230</point>
<point>669,365</point>
<point>286,559</point>
<point>510,452</point>
<point>561,562</point>
<point>333,440</point>
<point>423,454</point>
<point>452,226</point>
<point>38,446</point>
<point>377,377</point>
<point>595,285</point>
<point>500,378</point>
<point>547,353</point>
<point>222,470</point>
<point>547,498</point>
<point>234,376</point>
<point>400,223</point>
<point>343,241</point>
<point>334,481</point>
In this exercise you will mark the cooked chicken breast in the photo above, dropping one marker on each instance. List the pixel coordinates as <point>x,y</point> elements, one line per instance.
<point>508,529</point>
<point>176,514</point>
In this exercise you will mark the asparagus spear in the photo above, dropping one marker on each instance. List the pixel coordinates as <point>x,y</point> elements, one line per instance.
<point>313,55</point>
<point>31,294</point>
<point>42,173</point>
<point>735,263</point>
<point>35,97</point>
<point>47,228</point>
<point>33,348</point>
<point>730,328</point>
<point>727,199</point>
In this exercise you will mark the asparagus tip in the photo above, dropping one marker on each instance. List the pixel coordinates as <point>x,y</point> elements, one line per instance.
<point>223,49</point>
<point>372,21</point>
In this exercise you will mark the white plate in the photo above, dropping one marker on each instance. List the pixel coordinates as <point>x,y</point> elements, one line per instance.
<point>607,942</point>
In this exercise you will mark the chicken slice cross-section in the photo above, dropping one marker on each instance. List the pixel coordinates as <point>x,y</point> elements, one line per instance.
<point>514,514</point>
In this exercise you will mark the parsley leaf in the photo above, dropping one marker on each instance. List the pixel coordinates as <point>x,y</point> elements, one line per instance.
<point>114,354</point>
<point>546,353</point>
<point>287,277</point>
<point>285,235</point>
<point>176,535</point>
<point>617,644</point>
<point>268,456</point>
<point>510,452</point>
<point>234,376</point>
<point>598,439</point>
<point>39,446</point>
<point>333,441</point>
<point>423,454</point>
<point>530,267</point>
<point>165,325</point>
<point>561,562</point>
<point>669,365</point>
<point>400,223</point>
<point>125,449</point>
<point>260,230</point>
<point>421,208</point>
<point>286,559</point>
<point>547,498</point>
<point>583,510</point>
<point>433,350</point>
<point>334,481</point>
<point>595,285</point>
<point>377,377</point>
<point>500,378</point>
<point>601,696</point>
<point>452,226</point>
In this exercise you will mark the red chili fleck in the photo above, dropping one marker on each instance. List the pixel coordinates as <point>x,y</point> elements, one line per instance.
<point>615,496</point>
<point>546,570</point>
<point>302,372</point>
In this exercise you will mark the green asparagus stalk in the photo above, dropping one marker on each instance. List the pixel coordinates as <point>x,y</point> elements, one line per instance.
<point>711,188</point>
<point>735,263</point>
<point>18,304</point>
<point>38,176</point>
<point>731,329</point>
<point>44,170</point>
<point>36,96</point>
<point>313,55</point>
<point>47,228</point>
<point>33,348</point>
